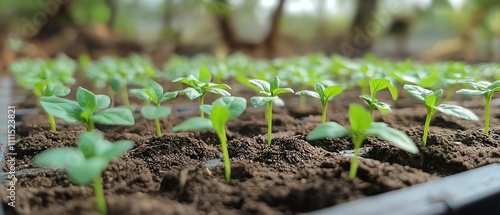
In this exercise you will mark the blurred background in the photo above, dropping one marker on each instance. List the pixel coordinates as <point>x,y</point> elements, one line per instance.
<point>426,30</point>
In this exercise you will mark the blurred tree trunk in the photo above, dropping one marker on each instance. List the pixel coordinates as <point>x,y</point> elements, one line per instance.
<point>268,44</point>
<point>272,38</point>
<point>358,36</point>
<point>113,8</point>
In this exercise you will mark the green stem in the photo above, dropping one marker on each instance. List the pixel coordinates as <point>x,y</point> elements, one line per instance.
<point>159,133</point>
<point>124,95</point>
<point>487,114</point>
<point>99,195</point>
<point>89,125</point>
<point>323,113</point>
<point>202,101</point>
<point>225,154</point>
<point>52,122</point>
<point>426,127</point>
<point>302,102</point>
<point>269,115</point>
<point>372,107</point>
<point>111,96</point>
<point>358,140</point>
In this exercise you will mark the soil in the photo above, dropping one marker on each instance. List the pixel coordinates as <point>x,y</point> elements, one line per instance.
<point>182,173</point>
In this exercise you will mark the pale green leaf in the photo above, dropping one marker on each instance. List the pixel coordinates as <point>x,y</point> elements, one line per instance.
<point>359,118</point>
<point>155,112</point>
<point>328,130</point>
<point>258,101</point>
<point>393,136</point>
<point>195,123</point>
<point>114,116</point>
<point>457,111</point>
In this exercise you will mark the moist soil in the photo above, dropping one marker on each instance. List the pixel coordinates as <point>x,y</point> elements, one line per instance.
<point>182,173</point>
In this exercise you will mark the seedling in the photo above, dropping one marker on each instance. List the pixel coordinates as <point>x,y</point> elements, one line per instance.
<point>372,102</point>
<point>221,111</point>
<point>270,92</point>
<point>153,92</point>
<point>54,89</point>
<point>199,87</point>
<point>431,99</point>
<point>486,89</point>
<point>323,93</point>
<point>86,163</point>
<point>361,127</point>
<point>83,110</point>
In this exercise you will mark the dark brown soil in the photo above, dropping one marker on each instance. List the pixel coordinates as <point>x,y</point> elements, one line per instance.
<point>291,176</point>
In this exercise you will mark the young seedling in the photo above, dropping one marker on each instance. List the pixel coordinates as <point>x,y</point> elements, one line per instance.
<point>83,110</point>
<point>486,89</point>
<point>361,127</point>
<point>431,99</point>
<point>270,92</point>
<point>324,94</point>
<point>221,111</point>
<point>153,92</point>
<point>199,87</point>
<point>54,89</point>
<point>86,163</point>
<point>372,102</point>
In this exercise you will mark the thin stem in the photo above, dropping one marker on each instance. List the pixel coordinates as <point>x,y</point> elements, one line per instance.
<point>225,154</point>
<point>323,113</point>
<point>202,101</point>
<point>372,107</point>
<point>358,140</point>
<point>89,125</point>
<point>99,195</point>
<point>52,122</point>
<point>426,126</point>
<point>487,114</point>
<point>269,115</point>
<point>124,95</point>
<point>159,133</point>
<point>111,96</point>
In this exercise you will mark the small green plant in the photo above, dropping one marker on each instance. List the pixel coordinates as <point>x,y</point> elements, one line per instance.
<point>83,109</point>
<point>221,111</point>
<point>270,92</point>
<point>361,127</point>
<point>324,94</point>
<point>153,92</point>
<point>372,102</point>
<point>54,89</point>
<point>431,99</point>
<point>486,89</point>
<point>86,163</point>
<point>199,87</point>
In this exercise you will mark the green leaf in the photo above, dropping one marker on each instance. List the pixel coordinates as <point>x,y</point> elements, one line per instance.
<point>235,105</point>
<point>383,107</point>
<point>278,91</point>
<point>467,92</point>
<point>87,171</point>
<point>328,130</point>
<point>195,123</point>
<point>394,91</point>
<point>275,84</point>
<point>156,88</point>
<point>152,95</point>
<point>192,93</point>
<point>417,92</point>
<point>333,91</point>
<point>62,108</point>
<point>169,95</point>
<point>258,101</point>
<point>102,101</point>
<point>88,143</point>
<point>114,116</point>
<point>457,111</point>
<point>359,118</point>
<point>155,112</point>
<point>393,136</point>
<point>220,115</point>
<point>140,93</point>
<point>86,99</point>
<point>378,84</point>
<point>115,84</point>
<point>320,90</point>
<point>219,91</point>
<point>204,75</point>
<point>56,90</point>
<point>218,86</point>
<point>430,100</point>
<point>60,157</point>
<point>495,86</point>
<point>207,109</point>
<point>278,102</point>
<point>263,86</point>
<point>366,99</point>
<point>308,93</point>
<point>118,148</point>
<point>438,94</point>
